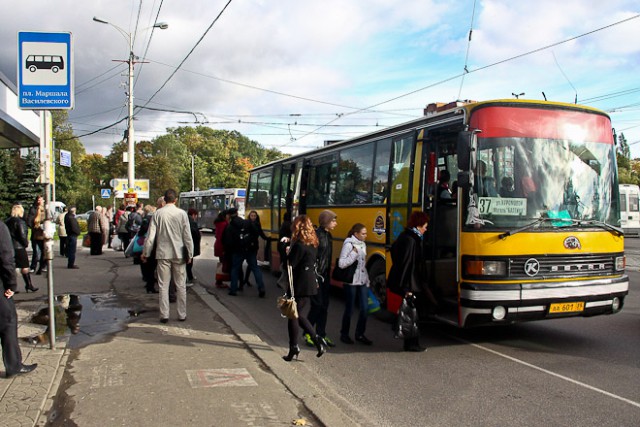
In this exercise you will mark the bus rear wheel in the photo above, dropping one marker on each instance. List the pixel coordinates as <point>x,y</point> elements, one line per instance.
<point>55,69</point>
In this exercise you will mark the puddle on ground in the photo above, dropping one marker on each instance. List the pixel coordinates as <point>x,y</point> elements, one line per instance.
<point>87,318</point>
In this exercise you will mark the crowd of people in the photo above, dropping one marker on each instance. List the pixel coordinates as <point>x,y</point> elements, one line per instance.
<point>164,239</point>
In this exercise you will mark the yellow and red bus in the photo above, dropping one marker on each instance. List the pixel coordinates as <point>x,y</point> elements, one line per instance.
<point>532,232</point>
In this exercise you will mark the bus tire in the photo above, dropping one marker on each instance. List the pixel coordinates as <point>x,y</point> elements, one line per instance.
<point>32,68</point>
<point>55,69</point>
<point>377,277</point>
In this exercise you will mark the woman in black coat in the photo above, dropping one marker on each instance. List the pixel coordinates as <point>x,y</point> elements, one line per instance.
<point>301,259</point>
<point>407,275</point>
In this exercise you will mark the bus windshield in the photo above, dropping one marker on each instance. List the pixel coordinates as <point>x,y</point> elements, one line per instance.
<point>518,180</point>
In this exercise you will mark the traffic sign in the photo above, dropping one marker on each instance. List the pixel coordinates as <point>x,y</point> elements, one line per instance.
<point>65,158</point>
<point>45,71</point>
<point>105,193</point>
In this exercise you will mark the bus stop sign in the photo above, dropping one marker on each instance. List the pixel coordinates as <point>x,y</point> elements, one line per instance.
<point>45,71</point>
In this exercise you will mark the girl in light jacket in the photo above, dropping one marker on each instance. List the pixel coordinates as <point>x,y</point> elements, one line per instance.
<point>355,250</point>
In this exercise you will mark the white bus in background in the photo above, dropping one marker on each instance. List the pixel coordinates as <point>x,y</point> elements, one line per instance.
<point>630,209</point>
<point>209,203</point>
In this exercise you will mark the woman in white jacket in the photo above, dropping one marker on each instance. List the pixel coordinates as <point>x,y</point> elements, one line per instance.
<point>354,250</point>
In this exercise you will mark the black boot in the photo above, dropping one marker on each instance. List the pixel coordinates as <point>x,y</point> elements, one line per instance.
<point>320,345</point>
<point>27,283</point>
<point>294,351</point>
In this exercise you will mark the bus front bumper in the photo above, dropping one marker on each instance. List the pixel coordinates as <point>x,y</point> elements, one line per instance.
<point>482,303</point>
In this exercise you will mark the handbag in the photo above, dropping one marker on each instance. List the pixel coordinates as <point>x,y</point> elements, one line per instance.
<point>344,275</point>
<point>86,240</point>
<point>373,304</point>
<point>287,305</point>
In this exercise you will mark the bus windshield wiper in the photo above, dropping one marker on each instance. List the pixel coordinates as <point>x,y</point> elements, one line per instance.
<point>612,228</point>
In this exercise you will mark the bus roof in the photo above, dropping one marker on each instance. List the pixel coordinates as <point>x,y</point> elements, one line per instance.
<point>459,111</point>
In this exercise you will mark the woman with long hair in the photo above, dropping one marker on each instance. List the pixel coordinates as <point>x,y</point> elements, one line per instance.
<point>18,231</point>
<point>301,258</point>
<point>35,221</point>
<point>354,250</point>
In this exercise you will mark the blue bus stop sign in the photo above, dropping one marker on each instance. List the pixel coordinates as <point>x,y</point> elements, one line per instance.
<point>45,71</point>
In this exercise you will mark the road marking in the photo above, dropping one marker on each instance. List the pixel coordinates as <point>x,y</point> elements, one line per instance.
<point>220,378</point>
<point>107,376</point>
<point>554,374</point>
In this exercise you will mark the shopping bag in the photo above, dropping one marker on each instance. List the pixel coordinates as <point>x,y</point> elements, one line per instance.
<point>86,240</point>
<point>373,304</point>
<point>138,244</point>
<point>129,250</point>
<point>115,243</point>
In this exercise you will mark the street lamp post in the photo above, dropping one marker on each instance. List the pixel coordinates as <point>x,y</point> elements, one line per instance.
<point>131,171</point>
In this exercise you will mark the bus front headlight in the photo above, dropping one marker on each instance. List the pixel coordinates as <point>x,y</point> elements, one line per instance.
<point>620,263</point>
<point>486,268</point>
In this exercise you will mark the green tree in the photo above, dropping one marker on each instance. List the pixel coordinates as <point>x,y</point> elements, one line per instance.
<point>28,187</point>
<point>626,174</point>
<point>70,181</point>
<point>8,180</point>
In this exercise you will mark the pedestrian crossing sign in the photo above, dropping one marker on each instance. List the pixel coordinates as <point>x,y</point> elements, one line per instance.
<point>106,193</point>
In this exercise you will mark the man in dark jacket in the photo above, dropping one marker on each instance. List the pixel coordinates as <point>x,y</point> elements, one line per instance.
<point>11,354</point>
<point>237,239</point>
<point>320,302</point>
<point>73,231</point>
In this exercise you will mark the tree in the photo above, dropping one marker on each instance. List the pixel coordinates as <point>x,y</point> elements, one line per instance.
<point>70,182</point>
<point>28,187</point>
<point>626,173</point>
<point>8,180</point>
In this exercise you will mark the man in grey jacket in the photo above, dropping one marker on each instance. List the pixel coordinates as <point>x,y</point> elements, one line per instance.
<point>169,236</point>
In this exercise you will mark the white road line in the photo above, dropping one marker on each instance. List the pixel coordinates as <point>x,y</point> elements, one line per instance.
<point>562,377</point>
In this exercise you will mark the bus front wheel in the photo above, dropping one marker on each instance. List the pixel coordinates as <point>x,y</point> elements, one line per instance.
<point>32,68</point>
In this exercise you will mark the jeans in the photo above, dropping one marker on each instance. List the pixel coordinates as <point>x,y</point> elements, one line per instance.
<point>37,258</point>
<point>352,294</point>
<point>236,269</point>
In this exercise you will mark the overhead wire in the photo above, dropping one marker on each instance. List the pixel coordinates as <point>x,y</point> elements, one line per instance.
<point>484,68</point>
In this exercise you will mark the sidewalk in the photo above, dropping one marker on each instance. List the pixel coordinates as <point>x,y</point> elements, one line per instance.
<point>210,370</point>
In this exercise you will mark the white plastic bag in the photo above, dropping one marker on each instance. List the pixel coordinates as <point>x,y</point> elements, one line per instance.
<point>115,243</point>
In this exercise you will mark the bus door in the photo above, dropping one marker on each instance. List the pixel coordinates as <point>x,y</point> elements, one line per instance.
<point>440,202</point>
<point>399,200</point>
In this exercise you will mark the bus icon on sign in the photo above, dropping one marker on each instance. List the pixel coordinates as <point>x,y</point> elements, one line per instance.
<point>54,63</point>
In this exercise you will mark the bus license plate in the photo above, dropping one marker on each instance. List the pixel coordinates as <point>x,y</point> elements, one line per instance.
<point>566,307</point>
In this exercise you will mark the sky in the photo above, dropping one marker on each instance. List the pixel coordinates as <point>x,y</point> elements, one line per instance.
<point>293,74</point>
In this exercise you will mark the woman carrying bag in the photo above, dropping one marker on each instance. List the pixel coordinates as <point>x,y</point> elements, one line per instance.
<point>407,276</point>
<point>301,259</point>
<point>354,250</point>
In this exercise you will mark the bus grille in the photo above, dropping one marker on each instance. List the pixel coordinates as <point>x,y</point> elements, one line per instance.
<point>558,266</point>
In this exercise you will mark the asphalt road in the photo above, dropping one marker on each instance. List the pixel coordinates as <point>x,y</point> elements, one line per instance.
<point>577,371</point>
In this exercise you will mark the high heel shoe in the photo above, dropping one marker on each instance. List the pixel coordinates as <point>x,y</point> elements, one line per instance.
<point>294,351</point>
<point>320,345</point>
<point>28,286</point>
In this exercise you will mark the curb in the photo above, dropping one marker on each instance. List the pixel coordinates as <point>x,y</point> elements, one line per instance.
<point>315,396</point>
